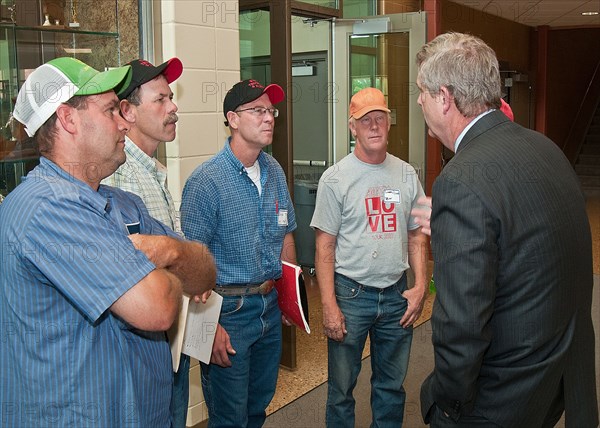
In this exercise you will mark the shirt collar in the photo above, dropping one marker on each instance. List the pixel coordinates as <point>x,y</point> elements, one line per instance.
<point>138,154</point>
<point>469,126</point>
<point>151,164</point>
<point>235,162</point>
<point>99,199</point>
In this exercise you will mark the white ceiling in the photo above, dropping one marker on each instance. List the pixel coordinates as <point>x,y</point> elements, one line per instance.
<point>554,13</point>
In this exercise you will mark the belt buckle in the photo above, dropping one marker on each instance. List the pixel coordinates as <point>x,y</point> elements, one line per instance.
<point>266,287</point>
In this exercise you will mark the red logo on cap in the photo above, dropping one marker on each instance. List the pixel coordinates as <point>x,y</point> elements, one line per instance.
<point>254,84</point>
<point>146,63</point>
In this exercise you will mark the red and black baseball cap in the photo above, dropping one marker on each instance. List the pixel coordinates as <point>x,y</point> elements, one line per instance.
<point>143,71</point>
<point>505,108</point>
<point>247,91</point>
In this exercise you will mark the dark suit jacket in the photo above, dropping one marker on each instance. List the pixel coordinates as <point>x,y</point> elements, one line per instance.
<point>513,271</point>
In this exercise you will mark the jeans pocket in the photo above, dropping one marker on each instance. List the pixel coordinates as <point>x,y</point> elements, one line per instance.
<point>400,291</point>
<point>345,291</point>
<point>401,288</point>
<point>231,305</point>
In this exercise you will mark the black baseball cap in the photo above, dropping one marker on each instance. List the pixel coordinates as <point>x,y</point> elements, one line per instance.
<point>143,71</point>
<point>247,91</point>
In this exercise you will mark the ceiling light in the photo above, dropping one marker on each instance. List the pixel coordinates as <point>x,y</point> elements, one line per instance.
<point>589,13</point>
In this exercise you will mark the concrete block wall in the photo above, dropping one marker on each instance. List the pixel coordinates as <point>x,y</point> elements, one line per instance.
<point>205,36</point>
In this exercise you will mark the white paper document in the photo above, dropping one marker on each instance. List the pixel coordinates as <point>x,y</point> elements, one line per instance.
<point>193,333</point>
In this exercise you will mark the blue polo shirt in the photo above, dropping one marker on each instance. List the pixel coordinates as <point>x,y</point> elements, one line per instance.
<point>65,359</point>
<point>221,207</point>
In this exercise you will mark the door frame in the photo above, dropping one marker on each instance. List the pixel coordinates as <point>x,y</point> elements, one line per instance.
<point>415,23</point>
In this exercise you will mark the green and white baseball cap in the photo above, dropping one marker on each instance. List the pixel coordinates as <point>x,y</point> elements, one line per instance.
<point>56,82</point>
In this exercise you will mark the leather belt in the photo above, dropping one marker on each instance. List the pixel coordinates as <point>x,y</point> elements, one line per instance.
<point>245,289</point>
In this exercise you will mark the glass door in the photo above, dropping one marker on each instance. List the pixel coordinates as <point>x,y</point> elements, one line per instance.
<point>380,52</point>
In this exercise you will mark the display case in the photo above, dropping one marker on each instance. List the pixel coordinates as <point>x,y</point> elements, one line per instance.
<point>25,47</point>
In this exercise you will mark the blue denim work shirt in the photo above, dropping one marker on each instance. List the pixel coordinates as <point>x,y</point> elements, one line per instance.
<point>66,360</point>
<point>221,207</point>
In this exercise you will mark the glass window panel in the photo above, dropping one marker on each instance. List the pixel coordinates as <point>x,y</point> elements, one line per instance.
<point>359,8</point>
<point>382,61</point>
<point>255,34</point>
<point>255,47</point>
<point>22,49</point>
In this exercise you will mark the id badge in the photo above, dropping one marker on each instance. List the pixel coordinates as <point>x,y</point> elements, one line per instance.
<point>392,196</point>
<point>282,218</point>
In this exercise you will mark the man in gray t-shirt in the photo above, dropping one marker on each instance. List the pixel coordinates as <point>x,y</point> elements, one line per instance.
<point>366,238</point>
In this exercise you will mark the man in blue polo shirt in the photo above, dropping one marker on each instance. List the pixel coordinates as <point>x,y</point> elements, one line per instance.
<point>238,204</point>
<point>85,292</point>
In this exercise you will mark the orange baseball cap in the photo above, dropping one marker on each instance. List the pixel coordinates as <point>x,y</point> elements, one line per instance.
<point>367,100</point>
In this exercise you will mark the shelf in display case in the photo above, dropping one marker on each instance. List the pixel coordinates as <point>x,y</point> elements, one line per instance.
<point>59,29</point>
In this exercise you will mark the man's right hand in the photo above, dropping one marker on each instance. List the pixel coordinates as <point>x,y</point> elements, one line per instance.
<point>334,322</point>
<point>221,348</point>
<point>423,214</point>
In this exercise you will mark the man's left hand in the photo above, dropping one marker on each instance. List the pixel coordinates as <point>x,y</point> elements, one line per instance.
<point>415,298</point>
<point>286,321</point>
<point>203,297</point>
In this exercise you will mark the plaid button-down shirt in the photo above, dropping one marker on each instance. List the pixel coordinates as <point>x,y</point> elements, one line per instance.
<point>244,230</point>
<point>146,177</point>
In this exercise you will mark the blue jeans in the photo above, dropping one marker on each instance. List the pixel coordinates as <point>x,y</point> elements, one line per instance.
<point>238,396</point>
<point>181,393</point>
<point>376,312</point>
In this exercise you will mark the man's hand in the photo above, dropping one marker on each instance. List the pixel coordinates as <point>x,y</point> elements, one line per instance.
<point>190,261</point>
<point>221,348</point>
<point>416,298</point>
<point>286,321</point>
<point>203,297</point>
<point>152,246</point>
<point>334,322</point>
<point>423,214</point>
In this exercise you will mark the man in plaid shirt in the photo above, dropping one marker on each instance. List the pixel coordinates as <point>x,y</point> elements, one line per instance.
<point>147,104</point>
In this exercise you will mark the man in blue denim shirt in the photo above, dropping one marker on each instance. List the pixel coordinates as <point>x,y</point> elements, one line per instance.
<point>238,204</point>
<point>86,290</point>
<point>365,240</point>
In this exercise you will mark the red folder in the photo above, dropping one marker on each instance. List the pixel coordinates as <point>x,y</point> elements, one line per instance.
<point>292,296</point>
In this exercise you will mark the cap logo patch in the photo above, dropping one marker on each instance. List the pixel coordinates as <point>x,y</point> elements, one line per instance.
<point>255,84</point>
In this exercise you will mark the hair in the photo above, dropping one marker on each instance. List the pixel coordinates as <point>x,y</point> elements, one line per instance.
<point>466,66</point>
<point>134,97</point>
<point>45,135</point>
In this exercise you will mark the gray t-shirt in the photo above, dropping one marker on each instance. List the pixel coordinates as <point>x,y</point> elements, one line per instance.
<point>367,207</point>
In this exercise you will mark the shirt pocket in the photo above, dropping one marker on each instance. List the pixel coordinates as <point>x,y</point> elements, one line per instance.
<point>276,224</point>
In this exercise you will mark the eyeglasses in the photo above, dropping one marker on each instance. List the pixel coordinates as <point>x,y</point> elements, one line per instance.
<point>260,111</point>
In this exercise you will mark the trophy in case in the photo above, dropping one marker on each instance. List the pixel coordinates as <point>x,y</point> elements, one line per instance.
<point>53,12</point>
<point>8,11</point>
<point>74,23</point>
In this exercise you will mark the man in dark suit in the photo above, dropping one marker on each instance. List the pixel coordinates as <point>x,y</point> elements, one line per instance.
<point>512,330</point>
